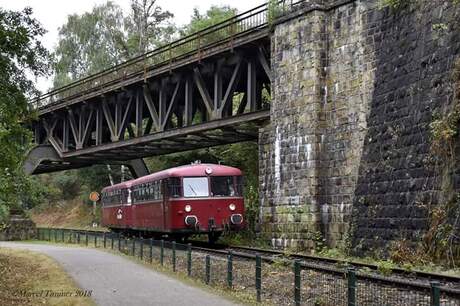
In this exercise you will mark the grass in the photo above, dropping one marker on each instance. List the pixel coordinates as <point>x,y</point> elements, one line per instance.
<point>71,214</point>
<point>26,278</point>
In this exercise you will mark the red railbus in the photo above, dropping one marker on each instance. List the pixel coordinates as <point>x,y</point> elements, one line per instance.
<point>179,202</point>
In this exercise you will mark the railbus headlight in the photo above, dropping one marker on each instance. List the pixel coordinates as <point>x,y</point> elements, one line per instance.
<point>188,208</point>
<point>232,207</point>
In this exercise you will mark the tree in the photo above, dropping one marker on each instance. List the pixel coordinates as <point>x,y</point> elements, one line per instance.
<point>94,41</point>
<point>214,15</point>
<point>104,37</point>
<point>148,26</point>
<point>20,53</point>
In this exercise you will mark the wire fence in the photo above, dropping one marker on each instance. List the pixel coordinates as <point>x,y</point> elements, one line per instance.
<point>273,281</point>
<point>197,44</point>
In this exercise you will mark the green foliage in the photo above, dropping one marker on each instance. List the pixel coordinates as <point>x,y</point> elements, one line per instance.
<point>320,242</point>
<point>213,15</point>
<point>440,238</point>
<point>394,4</point>
<point>96,177</point>
<point>20,53</point>
<point>104,37</point>
<point>385,267</point>
<point>444,131</point>
<point>274,10</point>
<point>68,184</point>
<point>147,26</point>
<point>333,253</point>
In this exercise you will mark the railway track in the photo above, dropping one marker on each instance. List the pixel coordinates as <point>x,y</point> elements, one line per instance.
<point>336,266</point>
<point>332,264</point>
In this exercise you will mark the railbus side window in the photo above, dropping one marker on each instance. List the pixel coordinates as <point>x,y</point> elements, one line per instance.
<point>174,187</point>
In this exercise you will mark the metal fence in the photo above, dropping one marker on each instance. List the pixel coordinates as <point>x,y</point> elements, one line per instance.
<point>279,282</point>
<point>197,44</point>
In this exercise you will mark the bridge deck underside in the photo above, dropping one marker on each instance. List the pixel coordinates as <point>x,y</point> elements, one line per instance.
<point>219,132</point>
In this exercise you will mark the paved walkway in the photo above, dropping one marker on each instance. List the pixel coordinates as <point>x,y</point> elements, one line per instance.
<point>115,280</point>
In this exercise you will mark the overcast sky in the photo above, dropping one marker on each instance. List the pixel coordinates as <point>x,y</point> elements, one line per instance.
<point>53,13</point>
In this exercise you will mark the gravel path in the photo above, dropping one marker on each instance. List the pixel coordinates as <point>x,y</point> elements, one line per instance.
<point>115,280</point>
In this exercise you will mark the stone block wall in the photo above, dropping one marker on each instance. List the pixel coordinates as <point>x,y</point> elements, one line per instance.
<point>18,227</point>
<point>353,92</point>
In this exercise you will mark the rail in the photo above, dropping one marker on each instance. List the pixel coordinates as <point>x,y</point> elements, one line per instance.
<point>264,279</point>
<point>225,32</point>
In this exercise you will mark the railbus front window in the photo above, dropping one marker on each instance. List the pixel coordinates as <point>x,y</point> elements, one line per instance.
<point>222,186</point>
<point>196,187</point>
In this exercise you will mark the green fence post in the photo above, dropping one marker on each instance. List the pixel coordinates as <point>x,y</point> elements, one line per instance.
<point>189,259</point>
<point>62,235</point>
<point>208,269</point>
<point>133,250</point>
<point>435,294</point>
<point>142,249</point>
<point>86,238</point>
<point>55,235</point>
<point>151,250</point>
<point>230,269</point>
<point>174,256</point>
<point>78,237</point>
<point>297,282</point>
<point>111,241</point>
<point>258,277</point>
<point>119,243</point>
<point>351,276</point>
<point>162,251</point>
<point>95,240</point>
<point>105,241</point>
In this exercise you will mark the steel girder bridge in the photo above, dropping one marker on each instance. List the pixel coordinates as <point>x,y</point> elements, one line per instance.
<point>203,90</point>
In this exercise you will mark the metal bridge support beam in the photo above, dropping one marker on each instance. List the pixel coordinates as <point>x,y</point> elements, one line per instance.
<point>137,167</point>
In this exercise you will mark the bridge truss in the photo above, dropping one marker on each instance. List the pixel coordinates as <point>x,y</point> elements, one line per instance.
<point>210,88</point>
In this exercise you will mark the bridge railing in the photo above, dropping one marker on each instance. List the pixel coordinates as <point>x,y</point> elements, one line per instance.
<point>196,44</point>
<point>271,280</point>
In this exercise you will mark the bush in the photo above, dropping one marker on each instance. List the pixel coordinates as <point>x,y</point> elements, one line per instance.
<point>68,185</point>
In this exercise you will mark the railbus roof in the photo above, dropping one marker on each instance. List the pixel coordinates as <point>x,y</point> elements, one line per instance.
<point>181,171</point>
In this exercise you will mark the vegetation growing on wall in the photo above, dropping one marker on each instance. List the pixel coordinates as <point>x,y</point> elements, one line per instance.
<point>440,242</point>
<point>394,4</point>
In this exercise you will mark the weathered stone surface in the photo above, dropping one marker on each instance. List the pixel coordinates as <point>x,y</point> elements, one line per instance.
<point>354,90</point>
<point>18,227</point>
